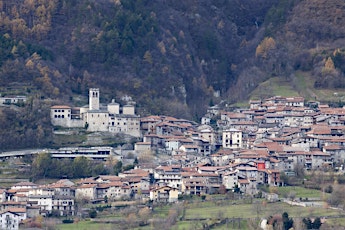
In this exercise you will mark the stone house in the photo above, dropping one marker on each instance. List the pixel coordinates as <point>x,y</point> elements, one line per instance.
<point>88,191</point>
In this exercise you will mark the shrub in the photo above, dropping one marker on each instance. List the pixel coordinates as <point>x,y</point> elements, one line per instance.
<point>92,213</point>
<point>67,221</point>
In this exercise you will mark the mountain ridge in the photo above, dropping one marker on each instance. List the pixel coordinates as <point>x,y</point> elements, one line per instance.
<point>173,58</point>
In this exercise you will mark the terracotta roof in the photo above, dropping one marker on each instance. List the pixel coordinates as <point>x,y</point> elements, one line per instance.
<point>116,184</point>
<point>319,153</point>
<point>103,185</point>
<point>212,168</point>
<point>13,203</point>
<point>246,168</point>
<point>109,178</point>
<point>243,181</point>
<point>273,160</point>
<point>17,210</point>
<point>143,143</point>
<point>24,183</point>
<point>60,107</point>
<point>163,187</point>
<point>205,175</point>
<point>87,186</point>
<point>332,147</point>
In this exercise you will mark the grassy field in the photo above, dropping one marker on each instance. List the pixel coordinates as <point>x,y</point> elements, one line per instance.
<point>240,215</point>
<point>274,86</point>
<point>260,209</point>
<point>300,192</point>
<point>85,225</point>
<point>302,84</point>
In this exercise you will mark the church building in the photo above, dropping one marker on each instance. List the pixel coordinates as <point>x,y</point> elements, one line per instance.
<point>97,118</point>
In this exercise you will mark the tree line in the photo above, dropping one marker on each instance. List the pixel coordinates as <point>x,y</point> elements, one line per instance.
<point>45,166</point>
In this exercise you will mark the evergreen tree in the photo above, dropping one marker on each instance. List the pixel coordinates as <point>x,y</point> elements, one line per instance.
<point>317,223</point>
<point>287,222</point>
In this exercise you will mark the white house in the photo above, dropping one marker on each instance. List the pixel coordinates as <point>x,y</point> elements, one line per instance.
<point>232,139</point>
<point>10,219</point>
<point>45,202</point>
<point>168,175</point>
<point>230,179</point>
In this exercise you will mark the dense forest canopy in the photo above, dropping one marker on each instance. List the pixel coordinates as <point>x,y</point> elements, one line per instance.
<point>171,57</point>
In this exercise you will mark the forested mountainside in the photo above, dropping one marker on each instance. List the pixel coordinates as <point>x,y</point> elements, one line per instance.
<point>171,57</point>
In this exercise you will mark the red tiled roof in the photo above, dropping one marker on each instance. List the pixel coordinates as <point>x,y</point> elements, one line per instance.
<point>60,107</point>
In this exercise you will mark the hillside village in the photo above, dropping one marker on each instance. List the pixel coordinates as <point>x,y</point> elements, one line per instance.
<point>235,151</point>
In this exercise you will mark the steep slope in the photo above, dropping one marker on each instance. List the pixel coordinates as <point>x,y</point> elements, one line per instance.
<point>174,54</point>
<point>172,57</point>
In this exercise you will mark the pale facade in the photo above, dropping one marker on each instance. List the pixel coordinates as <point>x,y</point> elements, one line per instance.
<point>87,191</point>
<point>164,194</point>
<point>94,118</point>
<point>45,202</point>
<point>232,139</point>
<point>11,219</point>
<point>118,190</point>
<point>97,120</point>
<point>172,144</point>
<point>208,134</point>
<point>230,180</point>
<point>168,175</point>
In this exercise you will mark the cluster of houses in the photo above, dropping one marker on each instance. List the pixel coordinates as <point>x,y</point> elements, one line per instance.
<point>243,148</point>
<point>240,148</point>
<point>28,200</point>
<point>230,150</point>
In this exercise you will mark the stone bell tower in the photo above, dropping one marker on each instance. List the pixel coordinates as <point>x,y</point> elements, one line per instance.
<point>94,99</point>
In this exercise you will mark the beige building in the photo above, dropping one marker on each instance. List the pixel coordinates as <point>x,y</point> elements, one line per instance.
<point>95,118</point>
<point>164,194</point>
<point>232,139</point>
<point>87,191</point>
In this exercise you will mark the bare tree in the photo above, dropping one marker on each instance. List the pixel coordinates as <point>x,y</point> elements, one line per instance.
<point>337,197</point>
